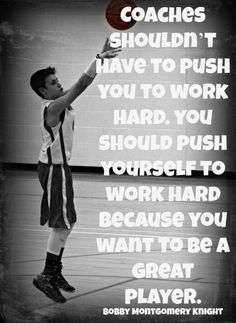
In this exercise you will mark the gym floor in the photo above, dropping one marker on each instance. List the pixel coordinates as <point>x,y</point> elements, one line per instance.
<point>101,278</point>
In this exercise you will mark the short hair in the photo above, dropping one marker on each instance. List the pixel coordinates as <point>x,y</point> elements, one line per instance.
<point>37,79</point>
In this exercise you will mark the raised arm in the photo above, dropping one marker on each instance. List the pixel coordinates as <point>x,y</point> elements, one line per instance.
<point>61,103</point>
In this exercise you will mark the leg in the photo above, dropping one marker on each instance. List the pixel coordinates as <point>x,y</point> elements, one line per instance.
<point>54,204</point>
<point>55,241</point>
<point>64,237</point>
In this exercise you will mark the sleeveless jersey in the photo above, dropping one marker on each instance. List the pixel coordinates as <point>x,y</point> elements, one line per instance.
<point>57,141</point>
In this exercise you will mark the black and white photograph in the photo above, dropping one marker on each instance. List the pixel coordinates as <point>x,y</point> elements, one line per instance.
<point>118,161</point>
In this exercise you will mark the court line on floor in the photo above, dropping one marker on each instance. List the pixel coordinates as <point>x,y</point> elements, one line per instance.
<point>86,255</point>
<point>225,201</point>
<point>198,280</point>
<point>98,231</point>
<point>92,255</point>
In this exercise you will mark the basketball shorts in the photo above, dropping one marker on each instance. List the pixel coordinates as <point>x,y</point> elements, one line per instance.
<point>57,205</point>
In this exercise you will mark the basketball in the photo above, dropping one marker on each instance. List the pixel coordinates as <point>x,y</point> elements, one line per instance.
<point>113,14</point>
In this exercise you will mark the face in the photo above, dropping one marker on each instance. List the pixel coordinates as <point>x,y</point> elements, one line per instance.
<point>53,88</point>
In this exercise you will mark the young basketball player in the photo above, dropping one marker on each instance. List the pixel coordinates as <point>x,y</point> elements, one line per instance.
<point>57,206</point>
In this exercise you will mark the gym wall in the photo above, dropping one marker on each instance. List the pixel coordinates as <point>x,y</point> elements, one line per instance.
<point>68,35</point>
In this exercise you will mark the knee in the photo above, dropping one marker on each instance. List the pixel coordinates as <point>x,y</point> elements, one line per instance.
<point>60,234</point>
<point>63,234</point>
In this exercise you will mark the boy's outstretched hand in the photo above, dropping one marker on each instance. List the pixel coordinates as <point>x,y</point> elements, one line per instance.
<point>108,51</point>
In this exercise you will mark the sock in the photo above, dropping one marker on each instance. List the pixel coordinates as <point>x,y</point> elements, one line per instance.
<point>61,253</point>
<point>59,260</point>
<point>51,264</point>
